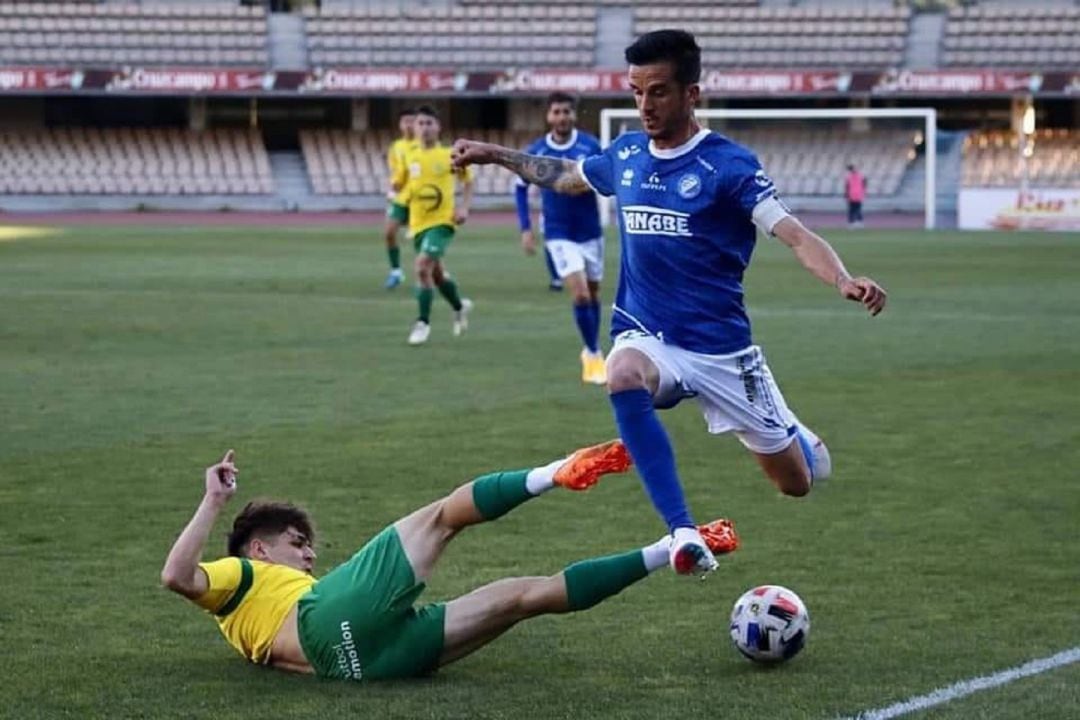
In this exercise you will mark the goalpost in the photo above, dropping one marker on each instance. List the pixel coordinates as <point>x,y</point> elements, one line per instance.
<point>609,116</point>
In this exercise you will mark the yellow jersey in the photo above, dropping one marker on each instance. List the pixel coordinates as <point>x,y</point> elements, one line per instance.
<point>430,180</point>
<point>395,161</point>
<point>250,600</point>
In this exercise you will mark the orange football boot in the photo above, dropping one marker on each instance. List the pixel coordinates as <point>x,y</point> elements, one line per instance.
<point>583,468</point>
<point>720,536</point>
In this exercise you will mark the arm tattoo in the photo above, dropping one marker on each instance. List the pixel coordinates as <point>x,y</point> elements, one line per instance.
<point>555,173</point>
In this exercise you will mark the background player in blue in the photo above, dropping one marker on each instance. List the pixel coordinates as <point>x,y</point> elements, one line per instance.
<point>689,201</point>
<point>573,237</point>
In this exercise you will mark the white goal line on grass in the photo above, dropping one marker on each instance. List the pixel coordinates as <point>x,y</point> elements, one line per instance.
<point>970,687</point>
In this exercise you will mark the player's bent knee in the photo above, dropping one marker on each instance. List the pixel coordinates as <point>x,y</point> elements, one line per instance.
<point>793,482</point>
<point>799,488</point>
<point>628,370</point>
<point>424,533</point>
<point>425,267</point>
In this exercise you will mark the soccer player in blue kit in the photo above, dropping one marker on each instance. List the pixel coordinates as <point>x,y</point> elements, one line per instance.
<point>572,234</point>
<point>689,201</point>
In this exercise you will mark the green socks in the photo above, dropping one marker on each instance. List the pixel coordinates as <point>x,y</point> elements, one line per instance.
<point>499,493</point>
<point>588,582</point>
<point>591,581</point>
<point>424,296</point>
<point>449,290</point>
<point>395,257</point>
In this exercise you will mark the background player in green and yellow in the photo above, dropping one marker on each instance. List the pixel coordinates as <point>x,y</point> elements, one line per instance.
<point>428,180</point>
<point>397,212</point>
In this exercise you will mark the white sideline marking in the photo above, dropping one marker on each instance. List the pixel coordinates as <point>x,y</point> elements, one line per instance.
<point>969,687</point>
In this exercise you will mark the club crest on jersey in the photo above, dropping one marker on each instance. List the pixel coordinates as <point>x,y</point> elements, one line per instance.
<point>627,177</point>
<point>649,220</point>
<point>626,152</point>
<point>689,186</point>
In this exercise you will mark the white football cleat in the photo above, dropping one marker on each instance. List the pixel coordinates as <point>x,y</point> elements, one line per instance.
<point>419,333</point>
<point>689,555</point>
<point>461,317</point>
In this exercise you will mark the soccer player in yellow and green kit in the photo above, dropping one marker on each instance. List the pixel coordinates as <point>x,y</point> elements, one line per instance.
<point>429,181</point>
<point>359,621</point>
<point>397,212</point>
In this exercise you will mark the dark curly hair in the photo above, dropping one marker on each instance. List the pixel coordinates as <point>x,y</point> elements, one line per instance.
<point>263,518</point>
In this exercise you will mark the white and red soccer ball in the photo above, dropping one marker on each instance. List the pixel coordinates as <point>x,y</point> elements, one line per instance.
<point>769,624</point>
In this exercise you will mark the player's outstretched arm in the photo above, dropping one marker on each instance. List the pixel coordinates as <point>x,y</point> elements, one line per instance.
<point>182,573</point>
<point>818,256</point>
<point>558,174</point>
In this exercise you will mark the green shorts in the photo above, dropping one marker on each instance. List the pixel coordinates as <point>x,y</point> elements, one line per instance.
<point>358,622</point>
<point>399,212</point>
<point>434,240</point>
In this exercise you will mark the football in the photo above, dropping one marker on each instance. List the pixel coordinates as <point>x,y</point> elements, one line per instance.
<point>769,624</point>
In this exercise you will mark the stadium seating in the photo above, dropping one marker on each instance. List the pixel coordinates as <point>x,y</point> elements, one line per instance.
<point>814,161</point>
<point>112,34</point>
<point>1018,35</point>
<point>786,37</point>
<point>91,161</point>
<point>476,36</point>
<point>992,159</point>
<point>340,162</point>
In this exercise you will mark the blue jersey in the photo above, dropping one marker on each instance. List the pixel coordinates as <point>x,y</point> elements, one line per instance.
<point>565,217</point>
<point>687,225</point>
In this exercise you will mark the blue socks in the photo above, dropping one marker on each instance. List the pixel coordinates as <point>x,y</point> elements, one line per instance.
<point>594,312</point>
<point>587,318</point>
<point>651,450</point>
<point>587,323</point>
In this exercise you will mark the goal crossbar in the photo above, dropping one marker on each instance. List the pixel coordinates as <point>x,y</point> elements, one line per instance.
<point>608,116</point>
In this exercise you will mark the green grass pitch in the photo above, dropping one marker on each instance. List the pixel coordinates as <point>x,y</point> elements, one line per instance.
<point>945,546</point>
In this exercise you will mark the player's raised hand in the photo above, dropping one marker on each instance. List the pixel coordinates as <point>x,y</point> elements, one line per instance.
<point>221,477</point>
<point>864,290</point>
<point>528,242</point>
<point>470,152</point>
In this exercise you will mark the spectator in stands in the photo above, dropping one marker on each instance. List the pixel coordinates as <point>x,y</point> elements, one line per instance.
<point>855,193</point>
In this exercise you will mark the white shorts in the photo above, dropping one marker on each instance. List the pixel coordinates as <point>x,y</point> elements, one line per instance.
<point>737,392</point>
<point>570,257</point>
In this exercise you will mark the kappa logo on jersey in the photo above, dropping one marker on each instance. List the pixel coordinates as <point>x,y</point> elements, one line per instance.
<point>689,186</point>
<point>654,183</point>
<point>627,177</point>
<point>626,152</point>
<point>762,179</point>
<point>649,220</point>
